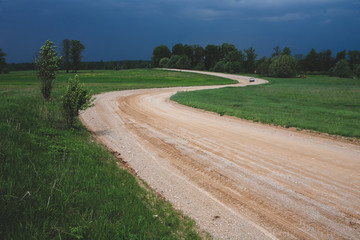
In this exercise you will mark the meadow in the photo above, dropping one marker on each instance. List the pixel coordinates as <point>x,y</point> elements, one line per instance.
<point>58,183</point>
<point>317,103</point>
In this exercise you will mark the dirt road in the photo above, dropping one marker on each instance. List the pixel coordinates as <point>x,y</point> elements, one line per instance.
<point>237,179</point>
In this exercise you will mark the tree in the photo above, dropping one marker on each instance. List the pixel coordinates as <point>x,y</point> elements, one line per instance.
<point>326,61</point>
<point>357,71</point>
<point>283,66</point>
<point>263,66</point>
<point>2,62</point>
<point>341,69</point>
<point>184,62</point>
<point>76,50</point>
<point>213,54</point>
<point>164,62</point>
<point>286,51</point>
<point>177,49</point>
<point>47,64</point>
<point>159,53</point>
<point>66,46</point>
<point>250,59</point>
<point>277,51</point>
<point>354,58</point>
<point>76,98</point>
<point>173,61</point>
<point>219,66</point>
<point>198,56</point>
<point>311,61</point>
<point>340,56</point>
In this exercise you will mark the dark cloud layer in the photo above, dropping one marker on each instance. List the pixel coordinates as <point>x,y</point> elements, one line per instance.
<point>130,29</point>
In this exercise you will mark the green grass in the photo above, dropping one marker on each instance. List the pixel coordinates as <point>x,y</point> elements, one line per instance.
<point>106,80</point>
<point>324,104</point>
<point>57,183</point>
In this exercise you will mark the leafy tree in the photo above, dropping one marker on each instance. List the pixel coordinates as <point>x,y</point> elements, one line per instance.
<point>341,69</point>
<point>263,66</point>
<point>198,56</point>
<point>76,98</point>
<point>173,60</point>
<point>184,62</point>
<point>164,62</point>
<point>219,66</point>
<point>47,64</point>
<point>76,49</point>
<point>213,54</point>
<point>188,51</point>
<point>286,51</point>
<point>2,62</point>
<point>66,46</point>
<point>177,49</point>
<point>354,58</point>
<point>227,48</point>
<point>326,61</point>
<point>311,61</point>
<point>250,60</point>
<point>159,53</point>
<point>283,66</point>
<point>357,71</point>
<point>277,51</point>
<point>340,56</point>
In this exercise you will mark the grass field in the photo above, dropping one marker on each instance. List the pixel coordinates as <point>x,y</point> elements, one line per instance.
<point>324,104</point>
<point>57,183</point>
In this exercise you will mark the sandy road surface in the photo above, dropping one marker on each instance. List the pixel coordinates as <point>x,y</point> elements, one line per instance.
<point>237,179</point>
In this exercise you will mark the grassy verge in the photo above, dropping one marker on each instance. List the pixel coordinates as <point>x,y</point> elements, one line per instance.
<point>324,104</point>
<point>57,183</point>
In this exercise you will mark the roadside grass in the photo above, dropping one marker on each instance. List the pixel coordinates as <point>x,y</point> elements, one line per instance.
<point>107,80</point>
<point>57,183</point>
<point>319,103</point>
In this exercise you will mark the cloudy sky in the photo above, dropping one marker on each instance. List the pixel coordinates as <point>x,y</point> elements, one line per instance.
<point>130,29</point>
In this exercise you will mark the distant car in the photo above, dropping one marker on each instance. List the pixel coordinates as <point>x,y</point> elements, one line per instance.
<point>252,80</point>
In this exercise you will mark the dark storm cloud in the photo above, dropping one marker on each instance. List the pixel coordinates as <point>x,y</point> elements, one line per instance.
<point>130,29</point>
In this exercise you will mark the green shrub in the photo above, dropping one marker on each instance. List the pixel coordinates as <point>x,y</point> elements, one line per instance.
<point>184,62</point>
<point>219,66</point>
<point>47,64</point>
<point>173,60</point>
<point>75,99</point>
<point>341,69</point>
<point>164,62</point>
<point>357,71</point>
<point>283,66</point>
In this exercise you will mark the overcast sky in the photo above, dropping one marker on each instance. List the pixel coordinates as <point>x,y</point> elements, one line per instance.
<point>130,29</point>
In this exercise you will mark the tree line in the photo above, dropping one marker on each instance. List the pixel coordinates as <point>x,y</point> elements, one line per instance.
<point>227,58</point>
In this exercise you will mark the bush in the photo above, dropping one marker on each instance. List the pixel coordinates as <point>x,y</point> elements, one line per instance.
<point>184,62</point>
<point>75,99</point>
<point>219,66</point>
<point>200,66</point>
<point>341,69</point>
<point>164,62</point>
<point>357,71</point>
<point>173,60</point>
<point>47,64</point>
<point>263,67</point>
<point>283,66</point>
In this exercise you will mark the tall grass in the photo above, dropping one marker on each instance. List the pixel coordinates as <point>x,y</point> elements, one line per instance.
<point>325,104</point>
<point>57,183</point>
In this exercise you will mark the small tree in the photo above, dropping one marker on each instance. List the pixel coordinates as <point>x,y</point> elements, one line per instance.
<point>341,69</point>
<point>164,62</point>
<point>2,62</point>
<point>47,64</point>
<point>66,46</point>
<point>76,49</point>
<point>283,66</point>
<point>75,99</point>
<point>184,62</point>
<point>173,60</point>
<point>357,71</point>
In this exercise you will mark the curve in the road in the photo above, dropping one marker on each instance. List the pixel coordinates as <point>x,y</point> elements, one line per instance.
<point>237,179</point>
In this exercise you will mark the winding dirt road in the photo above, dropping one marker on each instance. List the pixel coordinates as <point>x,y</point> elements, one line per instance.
<point>237,179</point>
